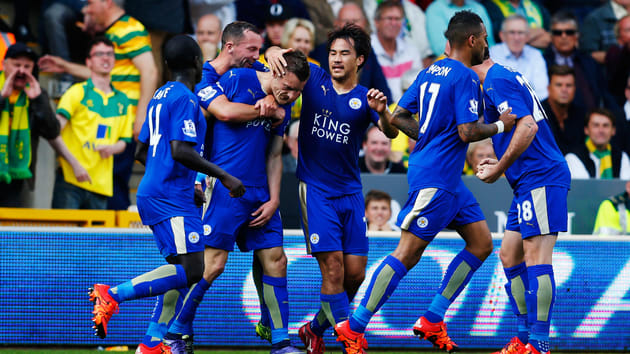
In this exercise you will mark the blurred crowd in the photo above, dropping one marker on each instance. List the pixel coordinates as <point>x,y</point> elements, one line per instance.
<point>106,59</point>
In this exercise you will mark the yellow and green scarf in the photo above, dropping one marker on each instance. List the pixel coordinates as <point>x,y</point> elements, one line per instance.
<point>605,159</point>
<point>532,12</point>
<point>15,138</point>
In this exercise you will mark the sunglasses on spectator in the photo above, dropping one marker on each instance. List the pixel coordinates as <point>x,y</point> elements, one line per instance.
<point>568,32</point>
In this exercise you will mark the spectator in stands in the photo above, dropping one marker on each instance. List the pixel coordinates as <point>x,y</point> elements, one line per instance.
<point>25,115</point>
<point>323,15</point>
<point>134,73</point>
<point>395,54</point>
<point>289,160</point>
<point>414,28</point>
<point>376,148</point>
<point>299,34</point>
<point>625,117</point>
<point>378,211</point>
<point>253,11</point>
<point>371,75</point>
<point>536,16</point>
<point>591,90</point>
<point>441,11</point>
<point>613,215</point>
<point>597,158</point>
<point>96,121</point>
<point>477,151</point>
<point>277,16</point>
<point>63,37</point>
<point>564,112</point>
<point>514,52</point>
<point>223,9</point>
<point>618,60</point>
<point>598,32</point>
<point>208,35</point>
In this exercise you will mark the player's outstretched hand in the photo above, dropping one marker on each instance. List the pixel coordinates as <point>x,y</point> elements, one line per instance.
<point>377,100</point>
<point>276,61</point>
<point>236,187</point>
<point>264,213</point>
<point>488,170</point>
<point>508,119</point>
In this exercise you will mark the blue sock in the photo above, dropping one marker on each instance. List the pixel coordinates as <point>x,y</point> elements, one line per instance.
<point>335,307</point>
<point>277,301</point>
<point>257,274</point>
<point>319,323</point>
<point>540,299</point>
<point>457,276</point>
<point>153,283</point>
<point>166,306</point>
<point>185,317</point>
<point>384,281</point>
<point>516,288</point>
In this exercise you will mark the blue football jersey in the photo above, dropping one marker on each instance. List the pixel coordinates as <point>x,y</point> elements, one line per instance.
<point>444,95</point>
<point>241,148</point>
<point>542,163</point>
<point>208,88</point>
<point>167,188</point>
<point>331,132</point>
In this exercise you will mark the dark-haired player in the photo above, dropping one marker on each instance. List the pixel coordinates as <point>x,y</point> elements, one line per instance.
<point>336,112</point>
<point>446,97</point>
<point>170,144</point>
<point>252,151</point>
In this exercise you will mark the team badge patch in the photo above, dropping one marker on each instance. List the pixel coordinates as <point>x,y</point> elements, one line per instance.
<point>207,229</point>
<point>189,128</point>
<point>473,106</point>
<point>423,222</point>
<point>314,239</point>
<point>503,106</point>
<point>206,93</point>
<point>355,103</point>
<point>193,237</point>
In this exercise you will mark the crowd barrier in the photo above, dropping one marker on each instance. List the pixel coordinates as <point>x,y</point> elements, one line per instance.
<point>45,274</point>
<point>69,217</point>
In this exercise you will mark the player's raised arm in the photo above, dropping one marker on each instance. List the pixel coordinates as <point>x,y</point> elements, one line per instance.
<point>404,120</point>
<point>475,131</point>
<point>184,153</point>
<point>378,102</point>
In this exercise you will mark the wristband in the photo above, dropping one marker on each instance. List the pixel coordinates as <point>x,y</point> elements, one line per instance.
<point>500,126</point>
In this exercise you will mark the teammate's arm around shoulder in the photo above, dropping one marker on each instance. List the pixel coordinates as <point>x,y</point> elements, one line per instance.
<point>475,131</point>
<point>184,153</point>
<point>490,170</point>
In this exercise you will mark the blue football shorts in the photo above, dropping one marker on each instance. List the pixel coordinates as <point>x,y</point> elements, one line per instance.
<point>333,223</point>
<point>469,209</point>
<point>540,211</point>
<point>178,235</point>
<point>226,219</point>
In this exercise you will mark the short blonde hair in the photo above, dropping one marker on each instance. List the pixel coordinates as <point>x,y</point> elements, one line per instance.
<point>291,25</point>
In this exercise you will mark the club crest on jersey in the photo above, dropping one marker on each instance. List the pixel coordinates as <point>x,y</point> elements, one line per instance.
<point>473,106</point>
<point>503,106</point>
<point>189,128</point>
<point>207,229</point>
<point>314,239</point>
<point>422,222</point>
<point>206,93</point>
<point>193,237</point>
<point>355,103</point>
